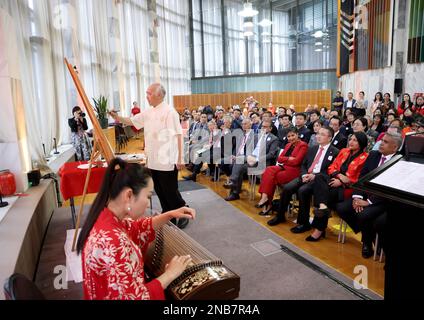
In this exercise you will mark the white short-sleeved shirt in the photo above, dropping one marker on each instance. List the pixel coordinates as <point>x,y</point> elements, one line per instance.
<point>161,126</point>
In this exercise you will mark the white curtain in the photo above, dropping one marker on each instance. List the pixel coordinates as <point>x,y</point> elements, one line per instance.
<point>236,43</point>
<point>108,41</point>
<point>173,42</point>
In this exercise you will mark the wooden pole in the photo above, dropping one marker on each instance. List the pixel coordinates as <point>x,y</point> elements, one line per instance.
<point>94,155</point>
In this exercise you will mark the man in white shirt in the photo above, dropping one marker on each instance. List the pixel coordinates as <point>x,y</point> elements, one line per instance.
<point>163,146</point>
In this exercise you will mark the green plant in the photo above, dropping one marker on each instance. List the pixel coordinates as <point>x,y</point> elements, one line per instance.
<point>100,105</point>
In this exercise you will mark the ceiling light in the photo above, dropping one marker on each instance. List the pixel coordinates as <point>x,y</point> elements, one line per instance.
<point>248,11</point>
<point>318,34</point>
<point>318,49</point>
<point>265,23</point>
<point>265,34</point>
<point>318,43</point>
<point>248,33</point>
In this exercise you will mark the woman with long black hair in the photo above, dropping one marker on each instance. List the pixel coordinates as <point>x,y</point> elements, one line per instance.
<point>115,237</point>
<point>329,189</point>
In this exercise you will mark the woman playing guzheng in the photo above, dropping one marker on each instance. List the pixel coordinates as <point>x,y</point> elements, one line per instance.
<point>115,237</point>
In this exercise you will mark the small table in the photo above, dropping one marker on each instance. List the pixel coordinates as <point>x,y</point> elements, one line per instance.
<point>72,180</point>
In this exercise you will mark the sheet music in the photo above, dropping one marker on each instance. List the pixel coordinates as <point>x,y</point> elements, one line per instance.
<point>405,176</point>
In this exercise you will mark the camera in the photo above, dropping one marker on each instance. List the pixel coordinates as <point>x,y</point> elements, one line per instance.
<point>82,114</point>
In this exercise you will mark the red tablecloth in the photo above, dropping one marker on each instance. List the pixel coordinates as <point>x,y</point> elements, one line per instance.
<point>72,179</point>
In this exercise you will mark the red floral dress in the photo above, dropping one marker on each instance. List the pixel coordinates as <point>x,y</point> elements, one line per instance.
<point>112,260</point>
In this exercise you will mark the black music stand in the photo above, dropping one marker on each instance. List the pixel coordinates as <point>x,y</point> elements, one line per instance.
<point>404,278</point>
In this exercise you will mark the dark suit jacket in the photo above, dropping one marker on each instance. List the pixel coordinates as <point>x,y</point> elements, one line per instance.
<point>345,103</point>
<point>305,134</point>
<point>272,148</point>
<point>236,124</point>
<point>370,164</point>
<point>74,125</point>
<point>282,136</point>
<point>329,157</point>
<point>339,141</point>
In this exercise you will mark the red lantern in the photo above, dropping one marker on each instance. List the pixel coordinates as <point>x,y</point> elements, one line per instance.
<point>7,183</point>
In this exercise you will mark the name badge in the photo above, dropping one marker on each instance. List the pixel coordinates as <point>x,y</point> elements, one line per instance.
<point>330,158</point>
<point>268,139</point>
<point>301,135</point>
<point>335,142</point>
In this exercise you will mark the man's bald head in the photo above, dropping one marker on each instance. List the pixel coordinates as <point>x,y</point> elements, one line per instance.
<point>155,94</point>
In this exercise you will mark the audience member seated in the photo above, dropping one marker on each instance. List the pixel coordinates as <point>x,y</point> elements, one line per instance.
<point>313,116</point>
<point>361,105</point>
<point>208,152</point>
<point>339,140</point>
<point>283,128</point>
<point>361,211</point>
<point>387,104</point>
<point>304,133</point>
<point>361,125</point>
<point>267,115</point>
<point>316,161</point>
<point>329,189</point>
<point>315,128</point>
<point>246,142</point>
<point>287,168</point>
<point>377,103</point>
<point>346,128</point>
<point>419,106</point>
<point>256,122</point>
<point>406,103</point>
<point>237,119</point>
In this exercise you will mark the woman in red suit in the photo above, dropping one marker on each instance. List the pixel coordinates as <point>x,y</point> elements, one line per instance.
<point>287,168</point>
<point>342,173</point>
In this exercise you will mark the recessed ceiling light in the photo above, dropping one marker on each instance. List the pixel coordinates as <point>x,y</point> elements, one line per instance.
<point>265,23</point>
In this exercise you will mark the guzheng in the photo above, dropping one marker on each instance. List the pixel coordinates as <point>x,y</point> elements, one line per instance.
<point>206,278</point>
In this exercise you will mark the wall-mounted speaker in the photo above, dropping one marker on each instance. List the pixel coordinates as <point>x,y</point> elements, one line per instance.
<point>398,86</point>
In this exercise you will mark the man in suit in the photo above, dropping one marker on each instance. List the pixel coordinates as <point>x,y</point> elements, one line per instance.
<point>316,161</point>
<point>304,133</point>
<point>339,140</point>
<point>237,120</point>
<point>267,115</point>
<point>245,143</point>
<point>285,123</point>
<point>349,103</point>
<point>362,210</point>
<point>266,150</point>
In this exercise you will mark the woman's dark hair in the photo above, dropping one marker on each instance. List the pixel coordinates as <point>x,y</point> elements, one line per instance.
<point>75,109</point>
<point>318,121</point>
<point>387,94</point>
<point>364,122</point>
<point>381,96</point>
<point>119,175</point>
<point>402,105</point>
<point>362,140</point>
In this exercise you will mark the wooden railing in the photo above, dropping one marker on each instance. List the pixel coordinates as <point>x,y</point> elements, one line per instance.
<point>300,99</point>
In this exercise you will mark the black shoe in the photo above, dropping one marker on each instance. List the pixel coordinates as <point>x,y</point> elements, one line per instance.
<point>266,213</point>
<point>276,220</point>
<point>228,185</point>
<point>232,196</point>
<point>182,223</point>
<point>191,177</point>
<point>261,205</point>
<point>367,251</point>
<point>312,239</point>
<point>301,228</point>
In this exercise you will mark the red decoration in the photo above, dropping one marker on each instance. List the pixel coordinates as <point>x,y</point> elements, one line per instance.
<point>7,183</point>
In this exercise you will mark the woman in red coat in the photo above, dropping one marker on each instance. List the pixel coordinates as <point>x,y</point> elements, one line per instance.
<point>287,168</point>
<point>342,173</point>
<point>115,237</point>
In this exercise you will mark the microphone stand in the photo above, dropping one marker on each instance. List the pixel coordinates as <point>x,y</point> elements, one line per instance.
<point>55,146</point>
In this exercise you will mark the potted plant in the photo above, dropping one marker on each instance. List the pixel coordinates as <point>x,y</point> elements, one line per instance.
<point>100,105</point>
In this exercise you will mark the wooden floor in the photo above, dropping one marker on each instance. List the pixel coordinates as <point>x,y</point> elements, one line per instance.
<point>342,257</point>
